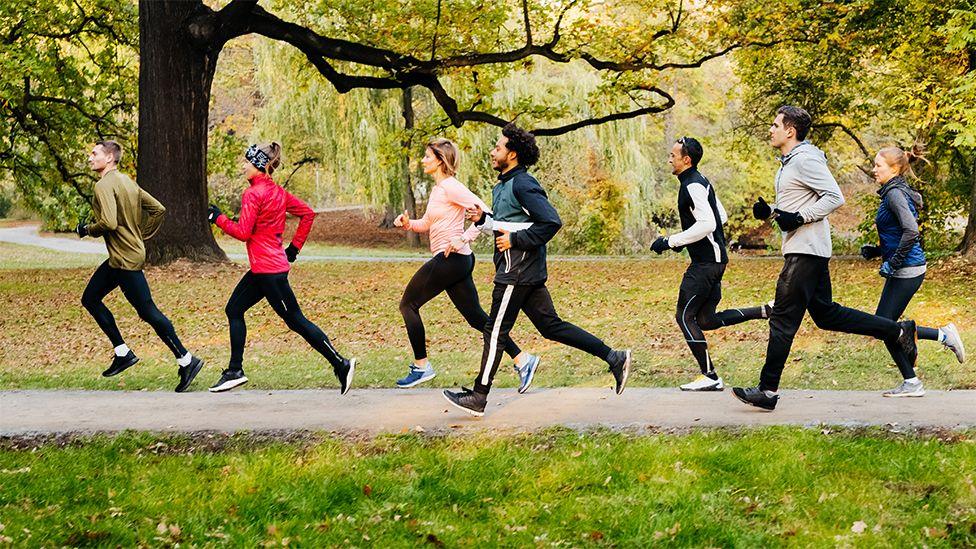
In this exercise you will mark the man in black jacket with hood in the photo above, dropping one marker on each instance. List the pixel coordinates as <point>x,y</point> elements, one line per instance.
<point>523,221</point>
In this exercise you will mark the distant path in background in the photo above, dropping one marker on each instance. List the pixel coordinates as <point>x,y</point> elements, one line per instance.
<point>28,235</point>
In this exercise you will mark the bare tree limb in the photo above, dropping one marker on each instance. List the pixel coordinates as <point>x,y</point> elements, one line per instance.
<point>437,27</point>
<point>850,133</point>
<point>297,166</point>
<point>860,144</point>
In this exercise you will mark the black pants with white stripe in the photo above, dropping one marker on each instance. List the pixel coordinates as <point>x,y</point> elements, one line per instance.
<point>700,294</point>
<point>804,285</point>
<point>275,288</point>
<point>136,291</point>
<point>506,302</point>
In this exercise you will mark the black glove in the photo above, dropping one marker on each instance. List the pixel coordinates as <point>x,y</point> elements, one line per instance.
<point>291,252</point>
<point>788,221</point>
<point>660,245</point>
<point>761,210</point>
<point>870,251</point>
<point>82,230</point>
<point>213,213</point>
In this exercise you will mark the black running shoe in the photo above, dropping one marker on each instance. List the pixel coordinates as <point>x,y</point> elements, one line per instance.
<point>344,374</point>
<point>187,373</point>
<point>908,340</point>
<point>620,368</point>
<point>120,364</point>
<point>754,396</point>
<point>228,380</point>
<point>468,400</point>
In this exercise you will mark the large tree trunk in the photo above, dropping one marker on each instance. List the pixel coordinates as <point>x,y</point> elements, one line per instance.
<point>409,201</point>
<point>968,245</point>
<point>175,74</point>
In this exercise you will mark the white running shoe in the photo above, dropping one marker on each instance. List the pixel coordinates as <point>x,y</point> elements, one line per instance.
<point>906,389</point>
<point>704,383</point>
<point>953,342</point>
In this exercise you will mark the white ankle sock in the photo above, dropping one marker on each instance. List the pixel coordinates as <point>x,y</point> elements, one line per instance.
<point>942,336</point>
<point>122,350</point>
<point>184,360</point>
<point>769,393</point>
<point>912,380</point>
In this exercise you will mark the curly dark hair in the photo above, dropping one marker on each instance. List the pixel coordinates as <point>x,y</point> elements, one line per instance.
<point>522,143</point>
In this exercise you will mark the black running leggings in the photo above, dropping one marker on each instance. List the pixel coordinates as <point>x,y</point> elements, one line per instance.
<point>895,297</point>
<point>275,288</point>
<point>699,294</point>
<point>451,274</point>
<point>136,291</point>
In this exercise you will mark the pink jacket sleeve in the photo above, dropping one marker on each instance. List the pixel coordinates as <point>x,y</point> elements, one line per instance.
<point>306,216</point>
<point>244,227</point>
<point>421,225</point>
<point>462,196</point>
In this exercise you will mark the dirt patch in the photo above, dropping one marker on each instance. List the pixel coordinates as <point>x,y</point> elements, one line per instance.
<point>358,227</point>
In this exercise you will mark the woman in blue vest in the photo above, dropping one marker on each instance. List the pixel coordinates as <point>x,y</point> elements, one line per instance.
<point>902,257</point>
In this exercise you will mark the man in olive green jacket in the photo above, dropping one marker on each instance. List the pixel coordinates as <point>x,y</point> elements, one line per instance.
<point>126,216</point>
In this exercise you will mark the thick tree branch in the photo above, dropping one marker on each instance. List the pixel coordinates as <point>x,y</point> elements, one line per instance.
<point>559,130</point>
<point>245,16</point>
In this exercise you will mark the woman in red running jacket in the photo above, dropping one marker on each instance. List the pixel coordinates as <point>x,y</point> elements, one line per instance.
<point>261,225</point>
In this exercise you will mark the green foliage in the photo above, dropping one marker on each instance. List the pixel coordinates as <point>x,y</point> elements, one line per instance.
<point>67,78</point>
<point>598,225</point>
<point>6,201</point>
<point>889,71</point>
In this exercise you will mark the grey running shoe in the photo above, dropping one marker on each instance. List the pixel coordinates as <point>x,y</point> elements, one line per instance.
<point>906,389</point>
<point>953,342</point>
<point>527,372</point>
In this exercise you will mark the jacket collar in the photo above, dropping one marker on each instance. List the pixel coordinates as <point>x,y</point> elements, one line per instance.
<point>897,181</point>
<point>503,177</point>
<point>793,152</point>
<point>261,178</point>
<point>687,174</point>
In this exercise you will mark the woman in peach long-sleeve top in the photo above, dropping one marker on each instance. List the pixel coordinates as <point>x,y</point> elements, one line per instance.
<point>450,268</point>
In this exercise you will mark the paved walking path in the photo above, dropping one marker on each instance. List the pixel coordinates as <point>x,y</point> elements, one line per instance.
<point>374,411</point>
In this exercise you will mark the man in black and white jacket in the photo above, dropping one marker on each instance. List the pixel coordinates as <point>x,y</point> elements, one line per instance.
<point>702,216</point>
<point>806,193</point>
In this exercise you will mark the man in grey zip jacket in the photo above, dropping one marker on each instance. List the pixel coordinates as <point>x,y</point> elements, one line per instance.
<point>523,221</point>
<point>806,193</point>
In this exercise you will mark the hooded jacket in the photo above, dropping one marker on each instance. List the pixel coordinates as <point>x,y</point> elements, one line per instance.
<point>804,184</point>
<point>897,222</point>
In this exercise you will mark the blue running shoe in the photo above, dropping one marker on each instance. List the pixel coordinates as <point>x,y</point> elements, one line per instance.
<point>527,373</point>
<point>416,376</point>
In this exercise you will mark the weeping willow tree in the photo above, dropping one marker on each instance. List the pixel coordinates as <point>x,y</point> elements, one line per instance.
<point>610,182</point>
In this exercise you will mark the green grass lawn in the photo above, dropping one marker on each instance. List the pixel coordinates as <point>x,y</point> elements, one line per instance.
<point>757,488</point>
<point>48,341</point>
